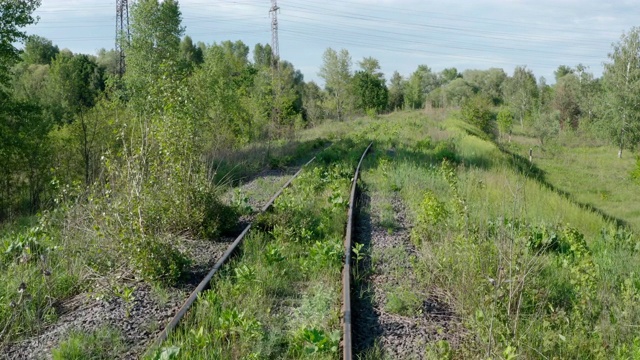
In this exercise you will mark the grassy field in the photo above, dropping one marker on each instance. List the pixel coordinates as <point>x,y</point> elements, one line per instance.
<point>591,175</point>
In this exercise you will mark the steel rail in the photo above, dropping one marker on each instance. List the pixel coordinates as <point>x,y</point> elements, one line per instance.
<point>206,281</point>
<point>347,343</point>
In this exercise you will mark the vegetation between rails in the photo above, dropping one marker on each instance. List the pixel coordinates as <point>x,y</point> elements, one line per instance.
<point>281,296</point>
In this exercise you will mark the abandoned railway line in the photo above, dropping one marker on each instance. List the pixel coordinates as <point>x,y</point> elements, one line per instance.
<point>319,211</point>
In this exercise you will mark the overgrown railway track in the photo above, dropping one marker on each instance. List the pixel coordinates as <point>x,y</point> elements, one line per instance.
<point>206,281</point>
<point>345,313</point>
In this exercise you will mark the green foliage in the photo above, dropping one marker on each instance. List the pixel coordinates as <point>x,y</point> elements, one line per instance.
<point>39,50</point>
<point>336,72</point>
<point>35,272</point>
<point>622,80</point>
<point>370,91</point>
<point>566,101</point>
<point>76,82</point>
<point>314,341</point>
<point>445,150</point>
<point>25,154</point>
<point>505,120</point>
<point>546,125</point>
<point>157,261</point>
<point>167,353</point>
<point>635,173</point>
<point>396,92</point>
<point>477,111</point>
<point>101,344</point>
<point>403,301</point>
<point>15,15</point>
<point>520,92</point>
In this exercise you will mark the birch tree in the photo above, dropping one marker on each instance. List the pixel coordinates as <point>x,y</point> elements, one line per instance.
<point>622,81</point>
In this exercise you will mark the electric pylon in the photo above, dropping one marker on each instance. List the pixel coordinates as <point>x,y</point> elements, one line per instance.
<point>275,65</point>
<point>275,47</point>
<point>122,32</point>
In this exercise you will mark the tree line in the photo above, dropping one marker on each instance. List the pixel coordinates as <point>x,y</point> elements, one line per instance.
<point>71,120</point>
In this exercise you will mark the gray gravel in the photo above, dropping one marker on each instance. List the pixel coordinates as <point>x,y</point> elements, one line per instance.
<point>399,337</point>
<point>84,313</point>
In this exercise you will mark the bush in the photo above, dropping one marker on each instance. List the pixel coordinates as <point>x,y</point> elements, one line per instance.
<point>219,219</point>
<point>477,111</point>
<point>159,261</point>
<point>445,150</point>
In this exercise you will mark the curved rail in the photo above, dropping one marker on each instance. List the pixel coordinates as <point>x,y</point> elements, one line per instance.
<point>205,283</point>
<point>346,271</point>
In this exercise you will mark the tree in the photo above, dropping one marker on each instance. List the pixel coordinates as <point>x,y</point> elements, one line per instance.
<point>370,91</point>
<point>262,55</point>
<point>566,102</point>
<point>108,60</point>
<point>312,100</point>
<point>476,110</point>
<point>191,54</point>
<point>23,141</point>
<point>488,82</point>
<point>421,82</point>
<point>545,125</point>
<point>371,66</point>
<point>622,81</point>
<point>396,91</point>
<point>563,70</point>
<point>505,121</point>
<point>39,50</point>
<point>77,82</point>
<point>456,92</point>
<point>14,16</point>
<point>154,50</point>
<point>448,75</point>
<point>414,96</point>
<point>336,72</point>
<point>520,92</point>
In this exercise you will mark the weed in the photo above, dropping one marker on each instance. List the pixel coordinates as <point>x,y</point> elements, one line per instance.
<point>402,300</point>
<point>126,294</point>
<point>314,341</point>
<point>104,343</point>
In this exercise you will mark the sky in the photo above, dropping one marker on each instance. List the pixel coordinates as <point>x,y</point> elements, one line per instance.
<point>401,34</point>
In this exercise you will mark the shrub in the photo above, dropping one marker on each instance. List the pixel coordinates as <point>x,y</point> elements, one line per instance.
<point>477,111</point>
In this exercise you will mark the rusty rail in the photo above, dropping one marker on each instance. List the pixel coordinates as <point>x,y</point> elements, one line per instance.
<point>347,345</point>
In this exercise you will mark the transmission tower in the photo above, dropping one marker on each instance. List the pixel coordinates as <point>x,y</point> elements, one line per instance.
<point>275,47</point>
<point>122,32</point>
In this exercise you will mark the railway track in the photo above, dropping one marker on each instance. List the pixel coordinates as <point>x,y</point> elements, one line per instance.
<point>206,281</point>
<point>345,318</point>
<point>347,343</point>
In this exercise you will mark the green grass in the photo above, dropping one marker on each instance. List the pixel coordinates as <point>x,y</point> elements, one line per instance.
<point>589,174</point>
<point>102,344</point>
